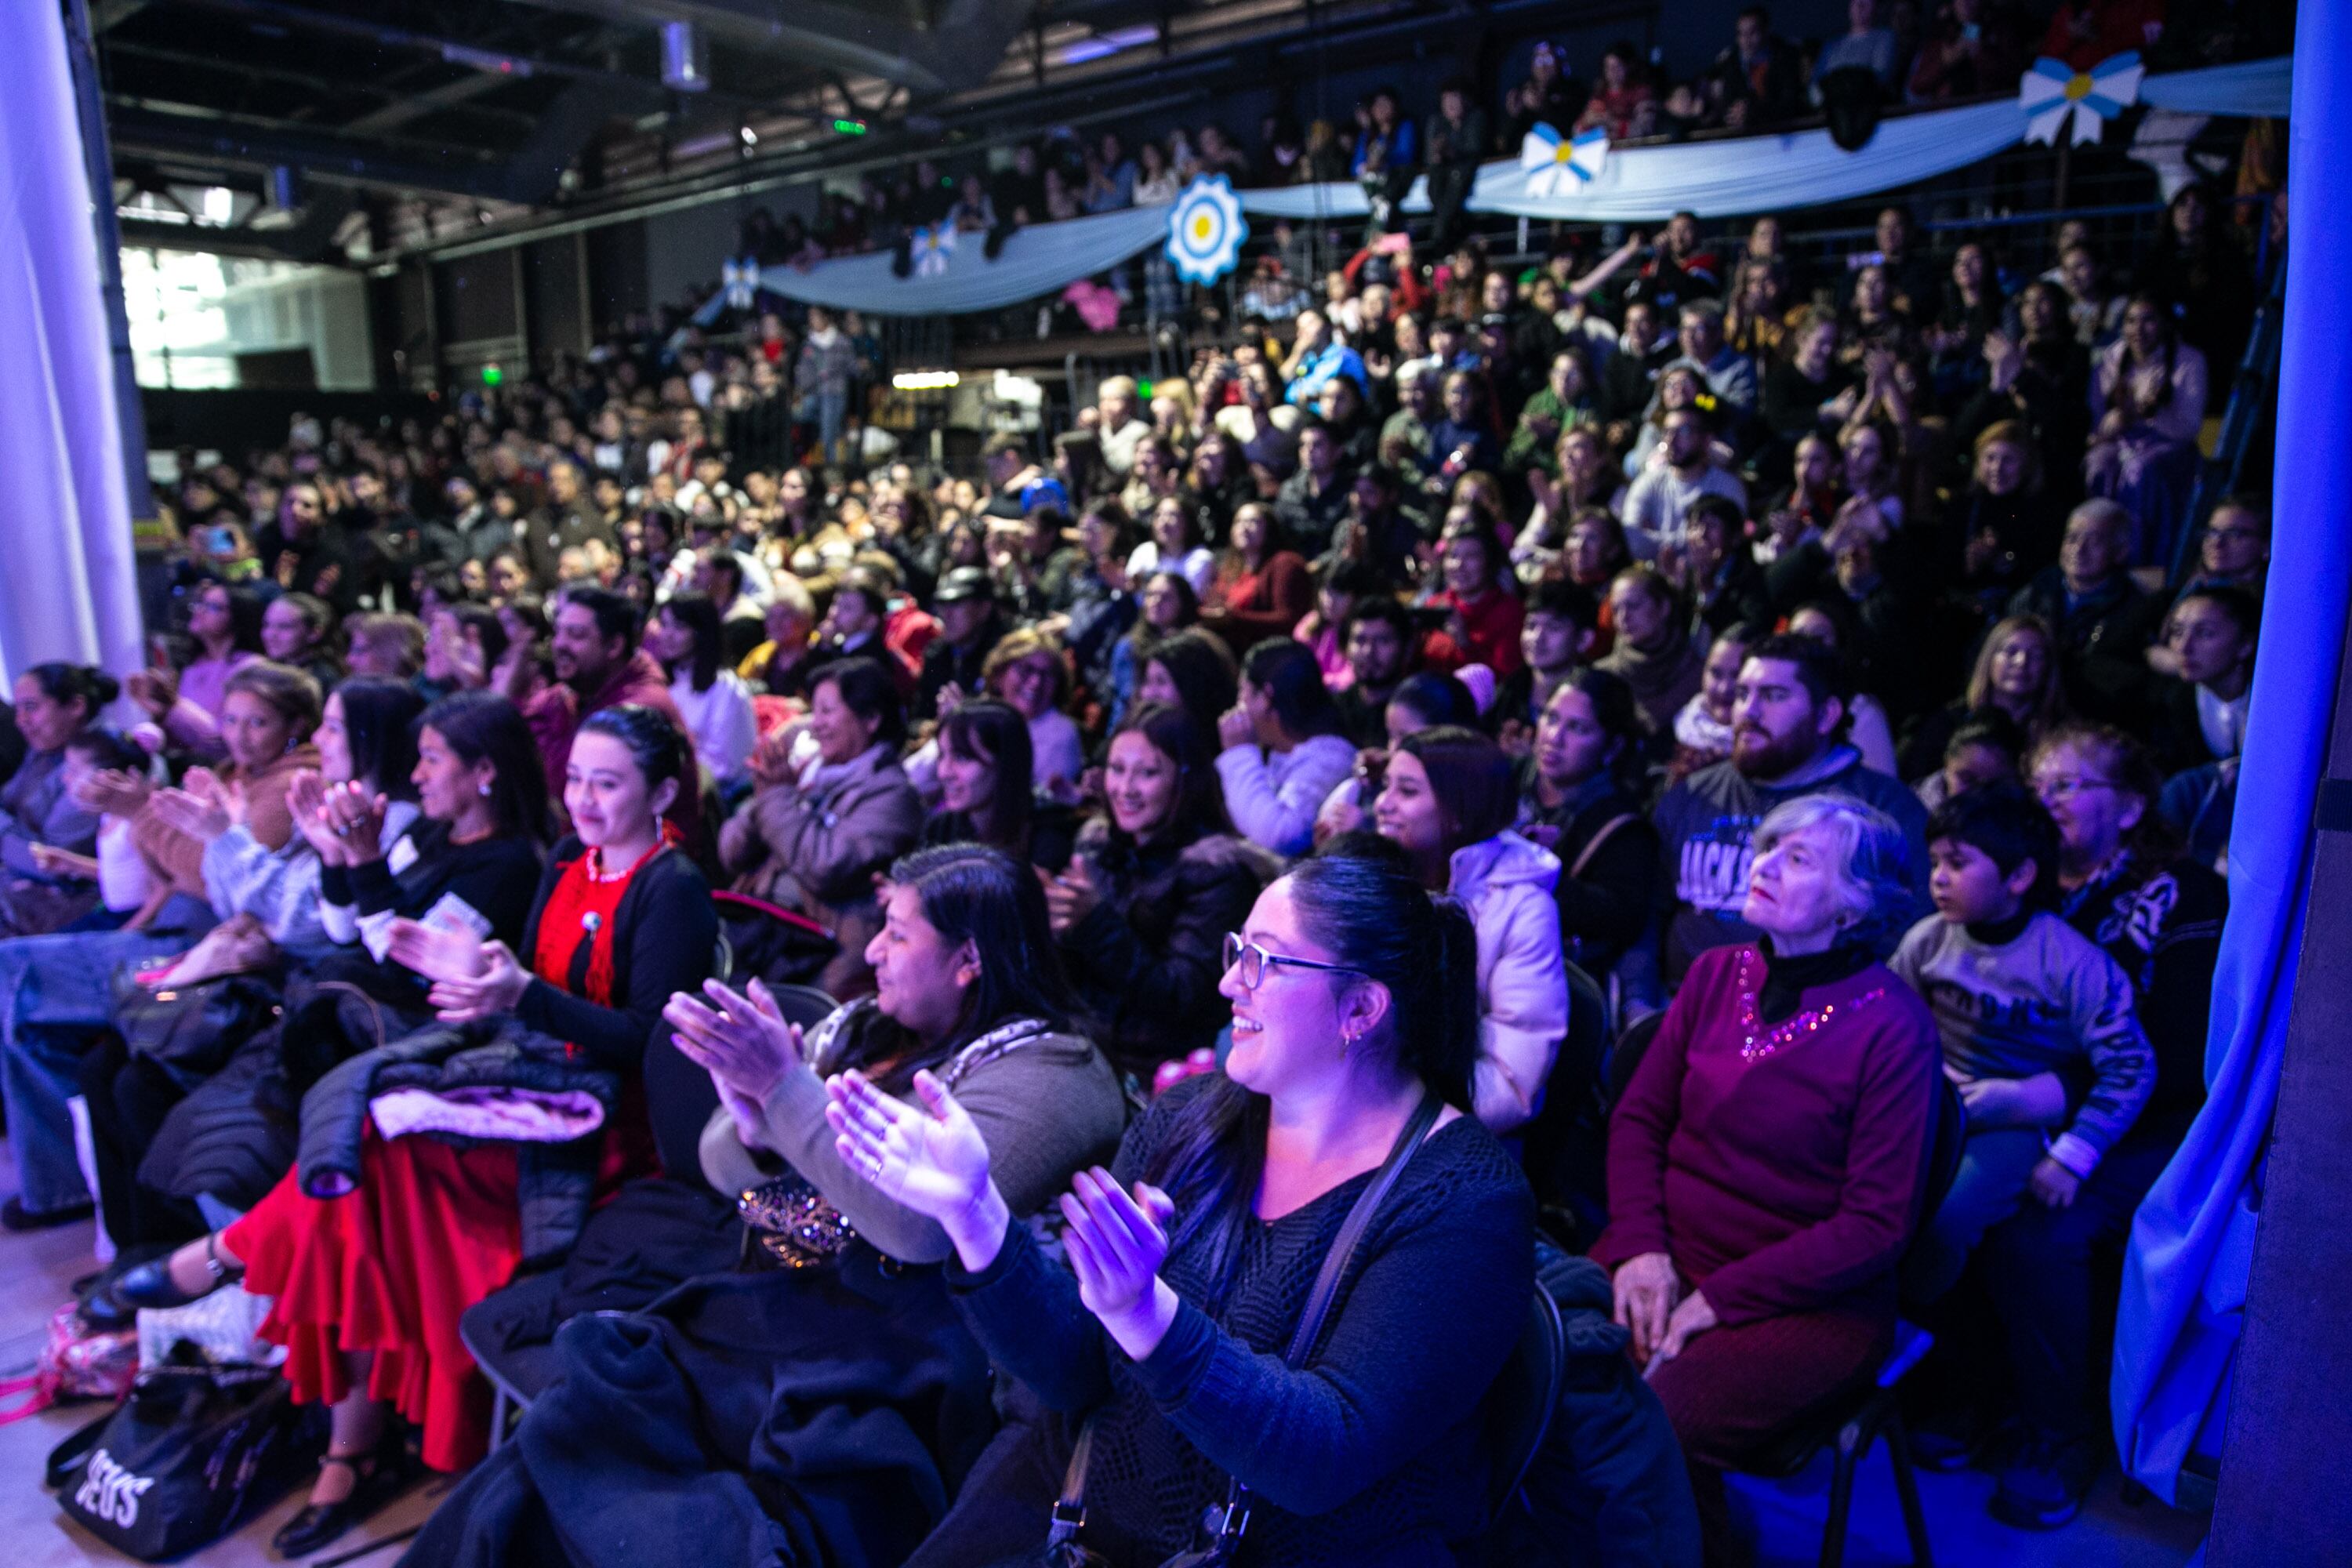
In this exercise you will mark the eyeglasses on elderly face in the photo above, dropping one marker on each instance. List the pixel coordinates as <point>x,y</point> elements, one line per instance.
<point>1251,960</point>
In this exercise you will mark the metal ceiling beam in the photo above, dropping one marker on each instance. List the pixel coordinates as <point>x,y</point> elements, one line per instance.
<point>962,47</point>
<point>320,155</point>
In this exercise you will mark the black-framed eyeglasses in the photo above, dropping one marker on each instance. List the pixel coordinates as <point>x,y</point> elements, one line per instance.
<point>1251,960</point>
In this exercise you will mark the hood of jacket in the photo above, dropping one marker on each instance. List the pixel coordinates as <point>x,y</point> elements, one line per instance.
<point>1505,860</point>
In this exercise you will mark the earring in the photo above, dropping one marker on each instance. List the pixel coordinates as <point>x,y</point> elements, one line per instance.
<point>483,789</point>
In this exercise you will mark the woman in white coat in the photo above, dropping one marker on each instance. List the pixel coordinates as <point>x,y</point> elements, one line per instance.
<point>1448,802</point>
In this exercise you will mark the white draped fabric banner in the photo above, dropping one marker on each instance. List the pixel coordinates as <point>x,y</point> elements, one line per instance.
<point>1635,184</point>
<point>70,591</point>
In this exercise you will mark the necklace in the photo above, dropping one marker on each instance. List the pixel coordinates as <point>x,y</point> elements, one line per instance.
<point>1755,1047</point>
<point>597,873</point>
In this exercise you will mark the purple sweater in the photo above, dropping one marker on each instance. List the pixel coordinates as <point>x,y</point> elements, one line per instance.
<point>1789,1183</point>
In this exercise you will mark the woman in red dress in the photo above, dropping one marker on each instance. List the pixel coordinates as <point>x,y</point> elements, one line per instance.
<point>369,1285</point>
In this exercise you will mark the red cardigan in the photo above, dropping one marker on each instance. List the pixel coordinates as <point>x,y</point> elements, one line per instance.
<point>1784,1184</point>
<point>1254,605</point>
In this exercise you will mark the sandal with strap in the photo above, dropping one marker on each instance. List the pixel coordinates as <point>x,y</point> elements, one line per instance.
<point>378,1476</point>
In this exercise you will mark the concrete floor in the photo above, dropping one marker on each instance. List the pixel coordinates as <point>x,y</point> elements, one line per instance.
<point>36,1273</point>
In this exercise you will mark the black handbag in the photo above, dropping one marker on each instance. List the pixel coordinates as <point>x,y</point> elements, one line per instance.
<point>1227,1522</point>
<point>191,1031</point>
<point>192,1452</point>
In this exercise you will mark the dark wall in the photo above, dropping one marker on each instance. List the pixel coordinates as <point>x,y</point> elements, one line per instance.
<point>553,294</point>
<point>231,421</point>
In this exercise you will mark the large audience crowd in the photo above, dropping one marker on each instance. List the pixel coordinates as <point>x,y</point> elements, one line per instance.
<point>1689,787</point>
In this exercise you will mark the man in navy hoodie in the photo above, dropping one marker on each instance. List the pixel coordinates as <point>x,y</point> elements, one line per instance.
<point>1788,728</point>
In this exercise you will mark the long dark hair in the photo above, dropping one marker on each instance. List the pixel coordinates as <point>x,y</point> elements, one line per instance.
<point>1473,778</point>
<point>484,727</point>
<point>1199,795</point>
<point>970,892</point>
<point>1370,914</point>
<point>66,684</point>
<point>380,726</point>
<point>1618,716</point>
<point>1286,671</point>
<point>993,733</point>
<point>1202,671</point>
<point>699,616</point>
<point>866,690</point>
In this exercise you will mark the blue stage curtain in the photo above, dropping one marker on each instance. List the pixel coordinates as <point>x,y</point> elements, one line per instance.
<point>70,590</point>
<point>2192,1241</point>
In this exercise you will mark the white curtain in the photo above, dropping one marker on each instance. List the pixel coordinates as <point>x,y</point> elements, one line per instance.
<point>67,589</point>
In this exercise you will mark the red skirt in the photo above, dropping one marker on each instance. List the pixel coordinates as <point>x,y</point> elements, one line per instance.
<point>388,1268</point>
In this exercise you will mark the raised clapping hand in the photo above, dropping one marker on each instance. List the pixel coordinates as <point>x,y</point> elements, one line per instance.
<point>497,989</point>
<point>743,1043</point>
<point>1118,1242</point>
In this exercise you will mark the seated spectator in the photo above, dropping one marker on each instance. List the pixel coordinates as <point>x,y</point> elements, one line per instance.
<point>2015,678</point>
<point>782,664</point>
<point>1315,500</point>
<point>1806,390</point>
<point>1653,652</point>
<point>2005,525</point>
<point>1029,672</point>
<point>597,664</point>
<point>298,630</point>
<point>2102,620</point>
<point>1985,750</point>
<point>1165,607</point>
<point>184,704</point>
<point>2204,680</point>
<point>815,832</point>
<point>1157,879</point>
<point>1789,721</point>
<point>2197,270</point>
<point>1973,50</point>
<point>1191,671</point>
<point>1317,356</point>
<point>1546,98</point>
<point>2147,400</point>
<point>1281,748</point>
<point>1866,724</point>
<point>710,697</point>
<point>2160,918</point>
<point>374,1247</point>
<point>1561,630</point>
<point>970,994</point>
<point>1447,800</point>
<point>1757,1214</point>
<point>1260,589</point>
<point>1703,726</point>
<point>955,662</point>
<point>2234,551</point>
<point>1344,976</point>
<point>1175,545</point>
<point>1727,373</point>
<point>1623,103</point>
<point>1479,595</point>
<point>1427,701</point>
<point>1758,80</point>
<point>40,819</point>
<point>1865,44</point>
<point>1566,398</point>
<point>2096,312</point>
<point>1658,502</point>
<point>463,644</point>
<point>1579,797</point>
<point>2023,1003</point>
<point>985,792</point>
<point>1726,586</point>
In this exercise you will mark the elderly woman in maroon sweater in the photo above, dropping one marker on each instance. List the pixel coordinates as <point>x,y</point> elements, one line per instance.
<point>1766,1161</point>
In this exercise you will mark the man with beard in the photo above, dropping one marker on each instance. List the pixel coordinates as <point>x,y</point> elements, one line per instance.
<point>1379,636</point>
<point>1788,726</point>
<point>598,664</point>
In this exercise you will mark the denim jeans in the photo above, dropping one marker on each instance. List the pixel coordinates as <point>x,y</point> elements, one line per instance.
<point>1995,1166</point>
<point>56,993</point>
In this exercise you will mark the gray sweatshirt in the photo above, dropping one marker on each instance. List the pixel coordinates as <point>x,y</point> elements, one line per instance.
<point>1046,1107</point>
<point>2048,1000</point>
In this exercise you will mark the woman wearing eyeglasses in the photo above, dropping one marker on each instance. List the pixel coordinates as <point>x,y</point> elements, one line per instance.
<point>2126,887</point>
<point>1190,1261</point>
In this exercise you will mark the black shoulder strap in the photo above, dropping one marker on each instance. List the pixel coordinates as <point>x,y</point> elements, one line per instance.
<point>1069,1510</point>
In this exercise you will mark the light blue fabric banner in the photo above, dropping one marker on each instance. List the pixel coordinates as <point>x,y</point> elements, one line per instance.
<point>1039,260</point>
<point>2252,91</point>
<point>1638,184</point>
<point>2192,1241</point>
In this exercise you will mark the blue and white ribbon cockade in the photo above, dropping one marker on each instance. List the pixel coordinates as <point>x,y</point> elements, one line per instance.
<point>2052,92</point>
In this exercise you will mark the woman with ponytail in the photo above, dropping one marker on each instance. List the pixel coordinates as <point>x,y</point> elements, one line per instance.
<point>1355,1002</point>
